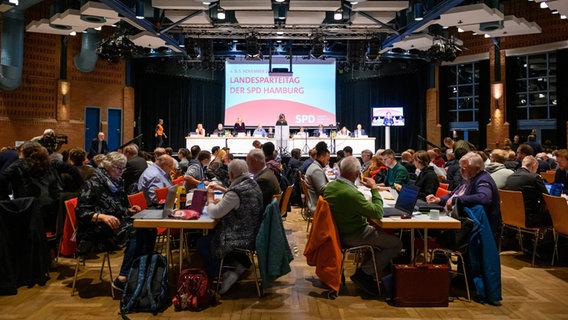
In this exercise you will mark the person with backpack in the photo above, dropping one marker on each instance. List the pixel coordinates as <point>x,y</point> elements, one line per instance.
<point>240,214</point>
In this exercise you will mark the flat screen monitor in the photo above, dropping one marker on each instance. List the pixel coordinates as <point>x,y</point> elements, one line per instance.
<point>388,116</point>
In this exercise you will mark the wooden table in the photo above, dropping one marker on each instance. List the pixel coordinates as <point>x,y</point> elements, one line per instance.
<point>204,223</point>
<point>421,221</point>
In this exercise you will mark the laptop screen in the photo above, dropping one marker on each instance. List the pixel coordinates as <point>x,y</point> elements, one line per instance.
<point>170,201</point>
<point>407,199</point>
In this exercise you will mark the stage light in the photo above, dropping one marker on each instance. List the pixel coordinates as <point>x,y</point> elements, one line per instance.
<point>139,10</point>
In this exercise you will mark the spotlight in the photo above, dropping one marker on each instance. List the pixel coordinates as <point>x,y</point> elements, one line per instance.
<point>338,15</point>
<point>418,9</point>
<point>221,14</point>
<point>139,10</point>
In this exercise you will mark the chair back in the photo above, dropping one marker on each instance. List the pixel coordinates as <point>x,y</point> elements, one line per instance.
<point>442,192</point>
<point>548,176</point>
<point>179,181</point>
<point>512,208</point>
<point>68,244</point>
<point>278,197</point>
<point>161,194</point>
<point>138,199</point>
<point>71,205</point>
<point>558,209</point>
<point>444,185</point>
<point>304,185</point>
<point>285,199</point>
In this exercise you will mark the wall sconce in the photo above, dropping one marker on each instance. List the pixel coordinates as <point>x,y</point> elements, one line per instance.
<point>221,14</point>
<point>497,104</point>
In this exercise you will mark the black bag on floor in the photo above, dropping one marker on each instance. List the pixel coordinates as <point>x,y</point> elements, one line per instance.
<point>147,286</point>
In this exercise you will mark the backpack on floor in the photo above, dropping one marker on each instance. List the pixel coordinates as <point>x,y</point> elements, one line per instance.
<point>147,286</point>
<point>193,291</point>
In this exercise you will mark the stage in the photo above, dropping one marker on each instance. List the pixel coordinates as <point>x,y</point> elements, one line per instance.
<point>242,145</point>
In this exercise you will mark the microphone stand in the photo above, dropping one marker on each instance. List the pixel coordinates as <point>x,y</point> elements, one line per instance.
<point>306,148</point>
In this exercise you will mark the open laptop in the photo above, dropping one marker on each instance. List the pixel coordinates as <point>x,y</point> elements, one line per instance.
<point>160,213</point>
<point>404,202</point>
<point>424,206</point>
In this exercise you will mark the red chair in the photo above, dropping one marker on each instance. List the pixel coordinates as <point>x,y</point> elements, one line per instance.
<point>68,241</point>
<point>442,192</point>
<point>161,194</point>
<point>179,181</point>
<point>444,185</point>
<point>138,199</point>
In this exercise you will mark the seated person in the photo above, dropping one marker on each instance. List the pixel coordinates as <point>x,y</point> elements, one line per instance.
<point>240,213</point>
<point>344,133</point>
<point>396,173</point>
<point>199,130</point>
<point>350,210</point>
<point>526,179</point>
<point>427,180</point>
<point>259,131</point>
<point>320,131</point>
<point>359,132</point>
<point>195,173</point>
<point>477,187</point>
<point>316,179</point>
<point>270,133</point>
<point>156,176</point>
<point>103,217</point>
<point>219,131</point>
<point>301,133</point>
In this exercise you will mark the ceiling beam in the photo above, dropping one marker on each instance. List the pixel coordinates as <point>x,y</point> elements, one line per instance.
<point>431,14</point>
<point>127,12</point>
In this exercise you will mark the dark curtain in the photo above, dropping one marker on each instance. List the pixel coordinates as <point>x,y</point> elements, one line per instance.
<point>357,97</point>
<point>512,87</point>
<point>182,103</point>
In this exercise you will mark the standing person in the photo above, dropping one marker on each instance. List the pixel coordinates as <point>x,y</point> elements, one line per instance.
<point>240,126</point>
<point>388,120</point>
<point>98,146</point>
<point>159,134</point>
<point>516,142</point>
<point>281,120</point>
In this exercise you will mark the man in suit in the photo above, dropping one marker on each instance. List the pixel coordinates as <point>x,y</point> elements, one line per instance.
<point>263,176</point>
<point>320,132</point>
<point>526,180</point>
<point>359,132</point>
<point>98,146</point>
<point>135,165</point>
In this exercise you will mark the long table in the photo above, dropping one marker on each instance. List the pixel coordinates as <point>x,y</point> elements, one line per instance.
<point>242,145</point>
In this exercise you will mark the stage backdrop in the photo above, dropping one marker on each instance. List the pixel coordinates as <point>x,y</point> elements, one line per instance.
<point>306,95</point>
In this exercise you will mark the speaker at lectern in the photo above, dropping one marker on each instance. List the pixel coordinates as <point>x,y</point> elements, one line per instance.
<point>281,136</point>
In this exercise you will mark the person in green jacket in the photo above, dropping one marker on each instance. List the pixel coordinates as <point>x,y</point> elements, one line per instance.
<point>396,173</point>
<point>350,210</point>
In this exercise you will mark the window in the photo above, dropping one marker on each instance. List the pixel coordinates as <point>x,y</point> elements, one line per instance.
<point>536,103</point>
<point>463,101</point>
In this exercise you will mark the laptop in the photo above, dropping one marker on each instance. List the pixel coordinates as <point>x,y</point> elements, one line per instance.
<point>160,213</point>
<point>424,206</point>
<point>404,202</point>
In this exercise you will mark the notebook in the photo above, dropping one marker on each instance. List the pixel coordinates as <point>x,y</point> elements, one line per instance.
<point>404,203</point>
<point>160,213</point>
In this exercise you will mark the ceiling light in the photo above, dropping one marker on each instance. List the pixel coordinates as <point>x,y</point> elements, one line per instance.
<point>221,14</point>
<point>418,10</point>
<point>98,28</point>
<point>543,5</point>
<point>563,16</point>
<point>14,2</point>
<point>555,12</point>
<point>280,33</point>
<point>279,0</point>
<point>461,30</point>
<point>338,15</point>
<point>139,10</point>
<point>72,33</point>
<point>486,35</point>
<point>206,3</point>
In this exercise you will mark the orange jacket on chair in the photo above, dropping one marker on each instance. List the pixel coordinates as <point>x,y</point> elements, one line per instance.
<point>323,249</point>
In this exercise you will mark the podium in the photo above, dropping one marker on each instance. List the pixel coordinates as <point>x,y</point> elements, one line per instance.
<point>281,136</point>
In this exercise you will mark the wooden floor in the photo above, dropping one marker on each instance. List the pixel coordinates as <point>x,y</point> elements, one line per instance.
<point>528,293</point>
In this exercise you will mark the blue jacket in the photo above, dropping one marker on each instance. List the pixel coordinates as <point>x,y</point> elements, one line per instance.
<point>272,248</point>
<point>484,265</point>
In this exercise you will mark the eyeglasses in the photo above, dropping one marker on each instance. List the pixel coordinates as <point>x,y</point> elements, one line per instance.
<point>119,168</point>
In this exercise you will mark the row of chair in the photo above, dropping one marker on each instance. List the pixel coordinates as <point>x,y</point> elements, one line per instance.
<point>513,216</point>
